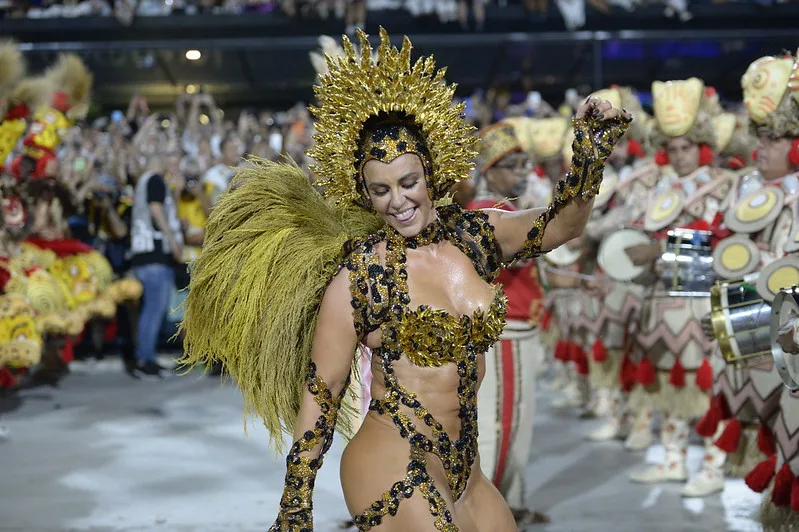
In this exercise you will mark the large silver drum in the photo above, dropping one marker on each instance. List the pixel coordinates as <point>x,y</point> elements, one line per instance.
<point>687,263</point>
<point>741,322</point>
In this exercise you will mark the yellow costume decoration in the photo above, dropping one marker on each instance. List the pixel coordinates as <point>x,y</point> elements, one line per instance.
<point>678,113</point>
<point>20,343</point>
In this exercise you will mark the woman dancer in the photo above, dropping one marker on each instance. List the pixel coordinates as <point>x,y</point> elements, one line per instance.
<point>289,284</point>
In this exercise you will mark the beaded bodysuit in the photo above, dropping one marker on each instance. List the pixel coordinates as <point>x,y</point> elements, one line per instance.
<point>428,337</point>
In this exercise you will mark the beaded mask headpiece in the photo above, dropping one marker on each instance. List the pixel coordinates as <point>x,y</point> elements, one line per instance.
<point>356,89</point>
<point>496,142</point>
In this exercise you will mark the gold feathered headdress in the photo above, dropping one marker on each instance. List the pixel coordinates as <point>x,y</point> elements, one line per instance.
<point>12,66</point>
<point>73,83</point>
<point>357,88</point>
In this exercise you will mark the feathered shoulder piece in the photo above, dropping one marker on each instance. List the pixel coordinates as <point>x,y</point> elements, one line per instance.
<point>272,245</point>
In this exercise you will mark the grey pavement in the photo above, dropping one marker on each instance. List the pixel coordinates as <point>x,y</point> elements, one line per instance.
<point>104,453</point>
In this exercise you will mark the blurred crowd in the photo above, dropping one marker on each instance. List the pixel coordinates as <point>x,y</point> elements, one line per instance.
<point>469,14</point>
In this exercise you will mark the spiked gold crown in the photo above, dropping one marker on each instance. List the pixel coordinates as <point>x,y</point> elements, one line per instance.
<point>357,88</point>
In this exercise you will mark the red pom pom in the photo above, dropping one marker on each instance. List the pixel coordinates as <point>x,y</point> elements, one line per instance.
<point>562,351</point>
<point>677,376</point>
<point>704,376</point>
<point>765,441</point>
<point>627,374</point>
<point>795,495</point>
<point>709,423</point>
<point>793,155</point>
<point>599,351</point>
<point>661,158</point>
<point>783,485</point>
<point>760,477</point>
<point>705,155</point>
<point>754,154</point>
<point>729,439</point>
<point>645,373</point>
<point>634,149</point>
<point>7,379</point>
<point>539,171</point>
<point>710,92</point>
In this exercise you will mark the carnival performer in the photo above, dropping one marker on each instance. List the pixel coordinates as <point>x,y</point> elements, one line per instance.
<point>289,284</point>
<point>610,332</point>
<point>506,400</point>
<point>754,415</point>
<point>674,376</point>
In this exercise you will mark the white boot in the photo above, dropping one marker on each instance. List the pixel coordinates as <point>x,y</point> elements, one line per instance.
<point>640,437</point>
<point>710,479</point>
<point>560,379</point>
<point>674,437</point>
<point>603,406</point>
<point>615,426</point>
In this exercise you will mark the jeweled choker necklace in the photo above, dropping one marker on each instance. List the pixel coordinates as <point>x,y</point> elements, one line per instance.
<point>432,233</point>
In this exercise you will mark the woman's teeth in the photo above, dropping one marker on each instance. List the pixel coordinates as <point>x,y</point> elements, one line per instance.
<point>404,216</point>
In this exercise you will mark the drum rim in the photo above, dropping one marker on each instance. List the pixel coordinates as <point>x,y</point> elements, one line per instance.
<point>785,298</point>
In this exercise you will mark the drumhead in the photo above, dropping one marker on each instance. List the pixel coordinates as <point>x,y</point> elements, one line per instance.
<point>735,257</point>
<point>756,210</point>
<point>783,273</point>
<point>612,258</point>
<point>787,364</point>
<point>563,255</point>
<point>664,209</point>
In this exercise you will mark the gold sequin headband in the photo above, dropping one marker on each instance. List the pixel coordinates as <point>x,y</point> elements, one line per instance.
<point>387,142</point>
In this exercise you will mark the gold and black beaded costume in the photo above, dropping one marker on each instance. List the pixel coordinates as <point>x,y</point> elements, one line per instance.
<point>273,244</point>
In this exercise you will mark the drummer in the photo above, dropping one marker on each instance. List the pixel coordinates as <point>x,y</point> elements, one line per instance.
<point>674,375</point>
<point>616,302</point>
<point>754,400</point>
<point>547,143</point>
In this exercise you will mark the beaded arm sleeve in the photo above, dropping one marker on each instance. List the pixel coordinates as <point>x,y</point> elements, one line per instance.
<point>304,460</point>
<point>594,140</point>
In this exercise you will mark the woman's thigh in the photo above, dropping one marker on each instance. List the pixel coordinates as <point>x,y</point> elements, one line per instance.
<point>483,506</point>
<point>376,460</point>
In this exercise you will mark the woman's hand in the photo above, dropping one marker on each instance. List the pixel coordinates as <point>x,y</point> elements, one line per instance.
<point>598,126</point>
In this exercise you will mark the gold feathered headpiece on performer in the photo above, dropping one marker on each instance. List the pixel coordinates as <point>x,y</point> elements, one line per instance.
<point>358,88</point>
<point>273,242</point>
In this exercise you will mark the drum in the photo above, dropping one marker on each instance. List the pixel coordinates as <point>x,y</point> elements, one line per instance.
<point>563,255</point>
<point>687,263</point>
<point>741,322</point>
<point>784,309</point>
<point>614,261</point>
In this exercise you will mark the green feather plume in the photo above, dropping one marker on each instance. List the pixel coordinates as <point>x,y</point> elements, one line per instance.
<point>272,244</point>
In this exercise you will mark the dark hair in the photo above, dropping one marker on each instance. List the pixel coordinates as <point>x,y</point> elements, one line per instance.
<point>384,122</point>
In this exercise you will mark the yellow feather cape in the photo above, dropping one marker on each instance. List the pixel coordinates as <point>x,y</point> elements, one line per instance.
<point>272,244</point>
